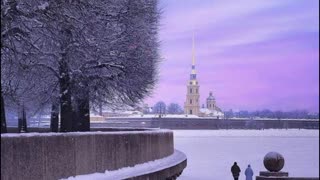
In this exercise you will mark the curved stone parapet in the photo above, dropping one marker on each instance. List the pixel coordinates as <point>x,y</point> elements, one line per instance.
<point>61,155</point>
<point>168,168</point>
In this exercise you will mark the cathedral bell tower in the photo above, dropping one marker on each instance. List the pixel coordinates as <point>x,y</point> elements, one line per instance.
<point>191,106</point>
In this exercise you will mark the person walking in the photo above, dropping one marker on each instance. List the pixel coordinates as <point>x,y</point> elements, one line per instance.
<point>248,173</point>
<point>235,169</point>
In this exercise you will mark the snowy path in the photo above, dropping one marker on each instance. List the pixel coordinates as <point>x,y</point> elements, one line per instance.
<point>211,153</point>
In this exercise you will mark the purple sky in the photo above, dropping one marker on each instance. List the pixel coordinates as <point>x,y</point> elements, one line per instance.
<point>252,54</point>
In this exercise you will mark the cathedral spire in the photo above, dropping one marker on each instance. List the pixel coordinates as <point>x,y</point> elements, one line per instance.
<point>193,75</point>
<point>193,51</point>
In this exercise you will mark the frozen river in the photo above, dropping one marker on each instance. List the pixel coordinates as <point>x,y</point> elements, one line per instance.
<point>212,153</point>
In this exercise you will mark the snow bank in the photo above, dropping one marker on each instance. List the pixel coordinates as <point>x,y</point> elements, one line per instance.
<point>248,133</point>
<point>148,131</point>
<point>138,170</point>
<point>155,116</point>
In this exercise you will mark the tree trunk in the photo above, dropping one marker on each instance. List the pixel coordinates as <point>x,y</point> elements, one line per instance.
<point>3,117</point>
<point>54,122</point>
<point>22,120</point>
<point>84,112</point>
<point>75,121</point>
<point>67,113</point>
<point>100,109</point>
<point>65,100</point>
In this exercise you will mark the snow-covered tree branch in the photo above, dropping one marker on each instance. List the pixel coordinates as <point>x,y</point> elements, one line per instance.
<point>83,52</point>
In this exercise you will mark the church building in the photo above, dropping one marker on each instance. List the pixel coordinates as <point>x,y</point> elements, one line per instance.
<point>192,103</point>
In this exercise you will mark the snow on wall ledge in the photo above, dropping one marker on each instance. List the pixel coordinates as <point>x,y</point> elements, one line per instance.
<point>139,170</point>
<point>61,155</point>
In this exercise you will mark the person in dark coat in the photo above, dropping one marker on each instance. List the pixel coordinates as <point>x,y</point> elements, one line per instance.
<point>235,169</point>
<point>248,173</point>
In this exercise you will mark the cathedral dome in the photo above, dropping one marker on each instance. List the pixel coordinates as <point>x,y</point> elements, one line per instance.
<point>211,97</point>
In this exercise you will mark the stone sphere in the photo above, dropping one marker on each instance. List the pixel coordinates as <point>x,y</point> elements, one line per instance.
<point>273,161</point>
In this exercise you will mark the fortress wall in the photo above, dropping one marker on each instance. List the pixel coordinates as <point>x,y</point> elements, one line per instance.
<point>61,155</point>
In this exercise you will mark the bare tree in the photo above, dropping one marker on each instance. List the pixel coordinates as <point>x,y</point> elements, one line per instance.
<point>174,108</point>
<point>103,52</point>
<point>159,108</point>
<point>11,31</point>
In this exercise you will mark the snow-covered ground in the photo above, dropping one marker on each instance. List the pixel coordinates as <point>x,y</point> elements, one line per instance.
<point>211,153</point>
<point>155,116</point>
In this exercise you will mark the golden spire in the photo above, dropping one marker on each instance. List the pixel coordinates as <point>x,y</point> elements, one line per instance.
<point>193,51</point>
<point>193,75</point>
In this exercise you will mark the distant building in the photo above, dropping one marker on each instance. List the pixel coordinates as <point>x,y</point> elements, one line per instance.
<point>146,109</point>
<point>191,105</point>
<point>121,113</point>
<point>211,102</point>
<point>124,111</point>
<point>212,110</point>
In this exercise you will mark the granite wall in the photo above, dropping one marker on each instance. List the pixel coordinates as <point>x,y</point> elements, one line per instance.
<point>60,155</point>
<point>207,123</point>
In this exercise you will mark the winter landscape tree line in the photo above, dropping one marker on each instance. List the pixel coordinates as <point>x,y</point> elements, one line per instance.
<point>68,57</point>
<point>161,108</point>
<point>174,108</point>
<point>266,113</point>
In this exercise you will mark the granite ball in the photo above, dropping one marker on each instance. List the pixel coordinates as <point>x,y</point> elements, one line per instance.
<point>273,161</point>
